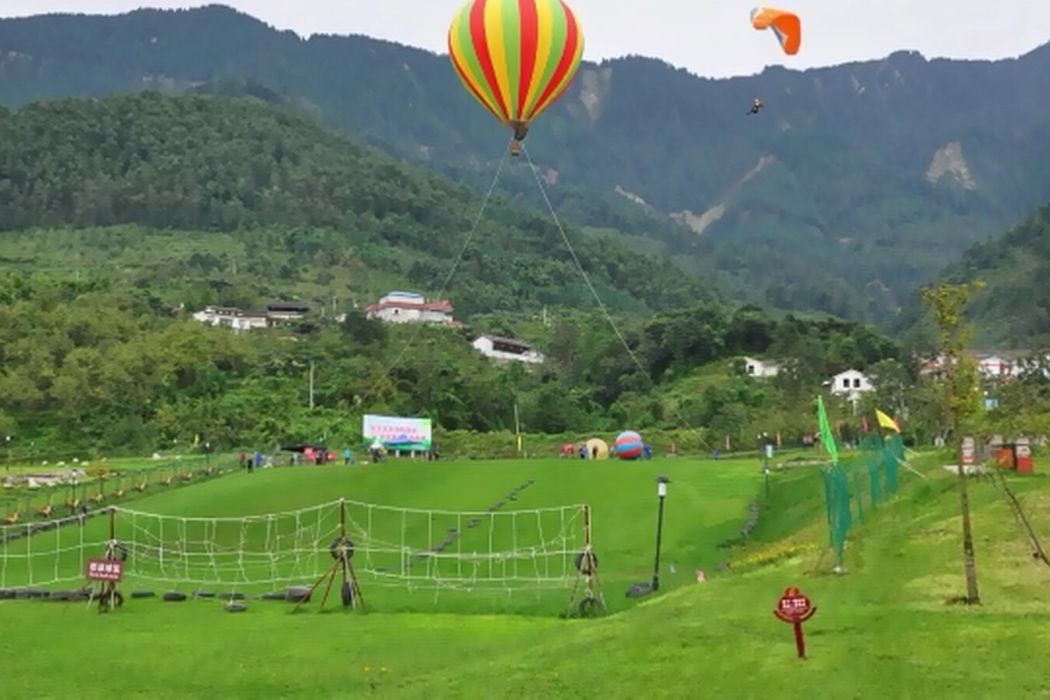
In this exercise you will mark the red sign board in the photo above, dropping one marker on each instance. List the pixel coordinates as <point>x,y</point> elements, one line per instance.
<point>105,570</point>
<point>795,608</point>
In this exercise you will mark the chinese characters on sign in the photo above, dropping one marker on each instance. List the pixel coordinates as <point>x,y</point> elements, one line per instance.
<point>795,608</point>
<point>105,570</point>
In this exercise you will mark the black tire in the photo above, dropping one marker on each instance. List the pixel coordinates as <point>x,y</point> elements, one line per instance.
<point>174,597</point>
<point>205,595</point>
<point>339,544</point>
<point>584,566</point>
<point>275,595</point>
<point>298,594</point>
<point>120,550</point>
<point>235,607</point>
<point>232,596</point>
<point>110,600</point>
<point>140,595</point>
<point>589,607</point>
<point>347,594</point>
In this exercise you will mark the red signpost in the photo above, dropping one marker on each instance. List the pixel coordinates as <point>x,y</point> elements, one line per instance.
<point>795,608</point>
<point>107,570</point>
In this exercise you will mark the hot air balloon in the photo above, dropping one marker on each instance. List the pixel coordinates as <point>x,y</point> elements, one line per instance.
<point>786,25</point>
<point>516,57</point>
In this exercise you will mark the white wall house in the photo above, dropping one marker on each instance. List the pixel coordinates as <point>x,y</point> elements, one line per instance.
<point>228,317</point>
<point>999,365</point>
<point>851,384</point>
<point>761,368</point>
<point>408,307</point>
<point>507,350</point>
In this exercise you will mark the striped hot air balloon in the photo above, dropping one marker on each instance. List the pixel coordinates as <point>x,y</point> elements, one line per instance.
<point>629,445</point>
<point>786,25</point>
<point>516,57</point>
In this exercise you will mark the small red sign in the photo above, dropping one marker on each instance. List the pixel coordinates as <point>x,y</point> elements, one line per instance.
<point>105,570</point>
<point>795,608</point>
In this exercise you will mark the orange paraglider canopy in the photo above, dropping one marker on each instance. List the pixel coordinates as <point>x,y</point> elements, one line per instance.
<point>786,25</point>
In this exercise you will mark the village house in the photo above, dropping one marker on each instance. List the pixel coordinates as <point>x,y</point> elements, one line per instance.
<point>233,318</point>
<point>239,321</point>
<point>850,384</point>
<point>507,350</point>
<point>992,365</point>
<point>409,307</point>
<point>761,369</point>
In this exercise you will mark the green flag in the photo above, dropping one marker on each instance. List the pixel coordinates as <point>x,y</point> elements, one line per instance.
<point>825,432</point>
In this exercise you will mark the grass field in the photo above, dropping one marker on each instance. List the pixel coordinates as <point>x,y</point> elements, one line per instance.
<point>883,629</point>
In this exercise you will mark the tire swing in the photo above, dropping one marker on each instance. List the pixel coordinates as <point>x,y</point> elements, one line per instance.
<point>344,547</point>
<point>342,551</point>
<point>341,545</point>
<point>586,563</point>
<point>587,566</point>
<point>108,597</point>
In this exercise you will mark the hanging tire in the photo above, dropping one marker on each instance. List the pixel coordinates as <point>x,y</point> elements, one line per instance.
<point>139,595</point>
<point>235,607</point>
<point>348,594</point>
<point>587,563</point>
<point>589,607</point>
<point>174,597</point>
<point>119,550</point>
<point>341,544</point>
<point>109,600</point>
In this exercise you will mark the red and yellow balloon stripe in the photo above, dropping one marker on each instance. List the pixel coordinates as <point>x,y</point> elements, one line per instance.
<point>517,57</point>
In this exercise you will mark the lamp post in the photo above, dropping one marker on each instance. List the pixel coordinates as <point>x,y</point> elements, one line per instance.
<point>767,452</point>
<point>661,492</point>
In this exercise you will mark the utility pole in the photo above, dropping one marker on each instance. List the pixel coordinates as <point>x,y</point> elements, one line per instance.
<point>517,426</point>
<point>311,384</point>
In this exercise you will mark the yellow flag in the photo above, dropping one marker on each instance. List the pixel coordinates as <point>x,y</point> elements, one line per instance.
<point>887,422</point>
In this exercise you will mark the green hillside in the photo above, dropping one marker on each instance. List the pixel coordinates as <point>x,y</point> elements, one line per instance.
<point>857,183</point>
<point>208,164</point>
<point>1013,311</point>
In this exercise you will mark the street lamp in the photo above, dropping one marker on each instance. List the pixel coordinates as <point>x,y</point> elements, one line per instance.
<point>661,493</point>
<point>767,454</point>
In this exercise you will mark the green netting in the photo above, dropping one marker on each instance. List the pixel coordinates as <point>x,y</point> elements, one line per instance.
<point>855,487</point>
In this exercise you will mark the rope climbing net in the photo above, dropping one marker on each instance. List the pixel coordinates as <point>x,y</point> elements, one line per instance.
<point>414,549</point>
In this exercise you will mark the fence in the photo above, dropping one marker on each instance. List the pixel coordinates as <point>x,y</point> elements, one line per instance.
<point>96,488</point>
<point>856,487</point>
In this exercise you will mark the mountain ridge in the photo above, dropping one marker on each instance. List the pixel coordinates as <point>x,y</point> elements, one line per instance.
<point>880,173</point>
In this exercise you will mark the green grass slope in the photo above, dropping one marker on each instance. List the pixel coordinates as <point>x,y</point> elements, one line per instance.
<point>882,630</point>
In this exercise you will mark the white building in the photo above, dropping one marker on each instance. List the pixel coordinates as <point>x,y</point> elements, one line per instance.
<point>228,317</point>
<point>507,350</point>
<point>408,307</point>
<point>851,384</point>
<point>996,365</point>
<point>761,368</point>
<point>275,313</point>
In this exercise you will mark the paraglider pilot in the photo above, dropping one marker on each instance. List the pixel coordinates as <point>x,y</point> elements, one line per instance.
<point>756,107</point>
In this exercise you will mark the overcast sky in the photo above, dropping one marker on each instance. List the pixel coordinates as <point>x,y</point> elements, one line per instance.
<point>709,37</point>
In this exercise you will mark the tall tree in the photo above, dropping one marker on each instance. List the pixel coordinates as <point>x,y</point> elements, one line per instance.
<point>947,303</point>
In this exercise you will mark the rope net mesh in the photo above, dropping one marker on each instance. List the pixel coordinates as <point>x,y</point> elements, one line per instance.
<point>395,548</point>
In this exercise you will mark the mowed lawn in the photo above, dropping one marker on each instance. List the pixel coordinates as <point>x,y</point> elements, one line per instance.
<point>884,629</point>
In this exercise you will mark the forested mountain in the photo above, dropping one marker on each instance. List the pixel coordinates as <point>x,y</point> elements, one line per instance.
<point>855,184</point>
<point>120,216</point>
<point>1013,311</point>
<point>330,207</point>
